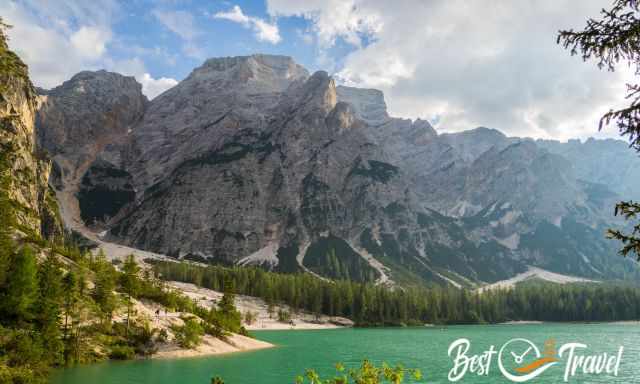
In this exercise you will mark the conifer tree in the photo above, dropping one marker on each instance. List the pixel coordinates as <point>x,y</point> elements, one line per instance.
<point>21,286</point>
<point>130,283</point>
<point>49,307</point>
<point>70,300</point>
<point>104,285</point>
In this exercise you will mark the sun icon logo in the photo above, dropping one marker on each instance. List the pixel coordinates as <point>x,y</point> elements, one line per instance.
<point>520,360</point>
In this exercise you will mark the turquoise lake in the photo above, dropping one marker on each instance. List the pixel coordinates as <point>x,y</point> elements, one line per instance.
<point>424,348</point>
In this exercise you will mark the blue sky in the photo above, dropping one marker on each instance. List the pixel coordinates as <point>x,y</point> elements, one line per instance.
<point>212,37</point>
<point>456,63</point>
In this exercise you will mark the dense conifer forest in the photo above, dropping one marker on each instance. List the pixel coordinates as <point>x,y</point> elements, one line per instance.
<point>371,305</point>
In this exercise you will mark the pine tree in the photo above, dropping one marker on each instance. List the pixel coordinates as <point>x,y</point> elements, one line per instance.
<point>21,286</point>
<point>70,300</point>
<point>104,285</point>
<point>7,247</point>
<point>49,307</point>
<point>231,318</point>
<point>130,283</point>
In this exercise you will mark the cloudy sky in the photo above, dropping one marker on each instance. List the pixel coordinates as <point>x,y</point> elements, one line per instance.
<point>460,64</point>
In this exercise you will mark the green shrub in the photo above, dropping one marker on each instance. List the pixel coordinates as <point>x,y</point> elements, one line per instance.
<point>122,352</point>
<point>19,375</point>
<point>250,317</point>
<point>284,316</point>
<point>162,336</point>
<point>367,373</point>
<point>190,334</point>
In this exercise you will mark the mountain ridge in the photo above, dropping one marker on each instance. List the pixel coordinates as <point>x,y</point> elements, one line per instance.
<point>251,159</point>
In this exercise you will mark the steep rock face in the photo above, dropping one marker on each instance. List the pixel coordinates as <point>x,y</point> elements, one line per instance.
<point>82,116</point>
<point>214,102</point>
<point>608,162</point>
<point>369,104</point>
<point>537,182</point>
<point>282,185</point>
<point>547,202</point>
<point>28,205</point>
<point>85,124</point>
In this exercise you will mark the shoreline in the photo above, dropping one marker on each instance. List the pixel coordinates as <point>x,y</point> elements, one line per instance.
<point>264,321</point>
<point>212,346</point>
<point>537,322</point>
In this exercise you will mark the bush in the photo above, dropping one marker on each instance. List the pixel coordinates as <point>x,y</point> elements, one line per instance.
<point>284,316</point>
<point>250,317</point>
<point>190,334</point>
<point>162,336</point>
<point>122,352</point>
<point>141,338</point>
<point>367,373</point>
<point>19,375</point>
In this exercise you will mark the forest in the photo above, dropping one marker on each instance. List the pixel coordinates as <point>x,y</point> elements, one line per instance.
<point>374,305</point>
<point>61,307</point>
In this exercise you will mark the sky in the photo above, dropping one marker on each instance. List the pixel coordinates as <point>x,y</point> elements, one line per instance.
<point>459,64</point>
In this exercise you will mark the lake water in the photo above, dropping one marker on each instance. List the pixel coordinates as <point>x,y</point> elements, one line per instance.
<point>424,348</point>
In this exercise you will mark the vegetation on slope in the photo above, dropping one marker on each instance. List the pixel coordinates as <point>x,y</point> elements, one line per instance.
<point>369,304</point>
<point>60,311</point>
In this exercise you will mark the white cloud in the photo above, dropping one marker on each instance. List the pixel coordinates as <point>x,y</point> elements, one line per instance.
<point>153,87</point>
<point>90,42</point>
<point>128,67</point>
<point>184,25</point>
<point>179,22</point>
<point>235,14</point>
<point>468,63</point>
<point>264,31</point>
<point>55,48</point>
<point>56,43</point>
<point>333,18</point>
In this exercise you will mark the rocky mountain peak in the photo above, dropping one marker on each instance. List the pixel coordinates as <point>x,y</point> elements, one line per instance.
<point>473,143</point>
<point>320,91</point>
<point>259,72</point>
<point>99,84</point>
<point>87,118</point>
<point>88,108</point>
<point>369,104</point>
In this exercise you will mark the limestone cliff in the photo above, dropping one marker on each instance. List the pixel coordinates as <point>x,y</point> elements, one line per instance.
<point>29,205</point>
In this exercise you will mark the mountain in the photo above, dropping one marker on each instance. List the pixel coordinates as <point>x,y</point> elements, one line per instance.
<point>87,119</point>
<point>252,160</point>
<point>610,162</point>
<point>550,203</point>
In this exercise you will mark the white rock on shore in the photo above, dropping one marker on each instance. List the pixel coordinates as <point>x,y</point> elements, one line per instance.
<point>300,320</point>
